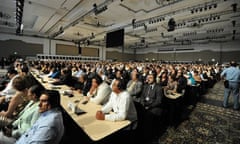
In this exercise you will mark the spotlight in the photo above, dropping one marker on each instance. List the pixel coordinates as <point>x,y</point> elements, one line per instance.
<point>88,42</point>
<point>234,23</point>
<point>215,5</point>
<point>171,24</point>
<point>19,15</point>
<point>234,32</point>
<point>234,6</point>
<point>99,10</point>
<point>94,5</point>
<point>133,21</point>
<point>145,27</point>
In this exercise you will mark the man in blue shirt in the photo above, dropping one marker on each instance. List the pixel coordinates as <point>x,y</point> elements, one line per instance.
<point>49,128</point>
<point>232,75</point>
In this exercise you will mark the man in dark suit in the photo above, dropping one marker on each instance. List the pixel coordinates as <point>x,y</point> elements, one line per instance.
<point>83,85</point>
<point>151,100</point>
<point>65,78</point>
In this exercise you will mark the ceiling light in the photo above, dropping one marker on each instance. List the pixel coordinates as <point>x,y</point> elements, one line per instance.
<point>234,7</point>
<point>215,5</point>
<point>233,23</point>
<point>171,24</point>
<point>21,27</point>
<point>133,21</point>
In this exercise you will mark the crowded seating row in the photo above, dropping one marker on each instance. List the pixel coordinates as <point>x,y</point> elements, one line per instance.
<point>157,90</point>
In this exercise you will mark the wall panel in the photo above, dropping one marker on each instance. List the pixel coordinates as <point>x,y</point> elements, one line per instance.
<point>93,52</point>
<point>66,50</point>
<point>8,47</point>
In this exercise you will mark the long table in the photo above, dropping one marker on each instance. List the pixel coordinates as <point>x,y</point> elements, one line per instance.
<point>95,129</point>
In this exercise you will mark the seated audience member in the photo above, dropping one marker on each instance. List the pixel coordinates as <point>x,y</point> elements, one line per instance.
<point>91,71</point>
<point>118,74</point>
<point>182,82</point>
<point>203,75</point>
<point>134,86</point>
<point>9,90</point>
<point>19,100</point>
<point>83,85</point>
<point>158,73</point>
<point>109,74</point>
<point>151,99</point>
<point>143,76</point>
<point>48,128</point>
<point>23,71</point>
<point>54,73</point>
<point>65,78</point>
<point>197,77</point>
<point>26,118</point>
<point>74,71</point>
<point>163,79</point>
<point>120,103</point>
<point>45,69</point>
<point>80,71</point>
<point>190,80</point>
<point>100,72</point>
<point>99,91</point>
<point>171,85</point>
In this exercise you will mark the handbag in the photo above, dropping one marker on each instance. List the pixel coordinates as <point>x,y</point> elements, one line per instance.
<point>226,84</point>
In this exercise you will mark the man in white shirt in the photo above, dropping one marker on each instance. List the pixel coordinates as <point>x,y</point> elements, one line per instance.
<point>99,91</point>
<point>120,103</point>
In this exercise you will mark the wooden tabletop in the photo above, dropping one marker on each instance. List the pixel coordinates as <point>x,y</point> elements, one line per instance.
<point>95,129</point>
<point>172,95</point>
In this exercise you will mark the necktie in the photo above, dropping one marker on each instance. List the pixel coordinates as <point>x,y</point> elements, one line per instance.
<point>148,93</point>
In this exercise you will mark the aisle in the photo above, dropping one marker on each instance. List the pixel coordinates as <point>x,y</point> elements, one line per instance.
<point>214,96</point>
<point>208,122</point>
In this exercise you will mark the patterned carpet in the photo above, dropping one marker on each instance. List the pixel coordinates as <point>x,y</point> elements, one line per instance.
<point>207,123</point>
<point>216,93</point>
